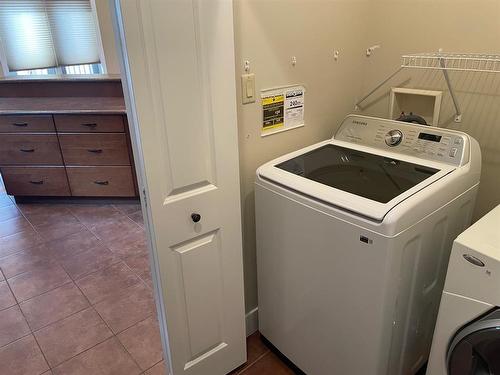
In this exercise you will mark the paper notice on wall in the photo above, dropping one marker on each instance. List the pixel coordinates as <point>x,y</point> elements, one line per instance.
<point>282,109</point>
<point>294,107</point>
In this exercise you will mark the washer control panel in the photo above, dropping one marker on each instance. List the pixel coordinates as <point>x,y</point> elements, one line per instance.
<point>416,140</point>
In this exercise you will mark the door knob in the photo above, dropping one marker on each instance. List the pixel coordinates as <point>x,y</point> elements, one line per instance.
<point>195,217</point>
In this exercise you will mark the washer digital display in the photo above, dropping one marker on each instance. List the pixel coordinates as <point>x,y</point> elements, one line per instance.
<point>430,137</point>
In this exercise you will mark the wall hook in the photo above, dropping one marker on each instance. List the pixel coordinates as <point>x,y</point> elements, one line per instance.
<point>370,50</point>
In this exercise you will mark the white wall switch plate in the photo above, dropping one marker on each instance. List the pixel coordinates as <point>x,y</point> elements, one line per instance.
<point>248,88</point>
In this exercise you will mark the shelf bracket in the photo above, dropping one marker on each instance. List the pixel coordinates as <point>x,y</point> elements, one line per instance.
<point>458,112</point>
<point>356,106</point>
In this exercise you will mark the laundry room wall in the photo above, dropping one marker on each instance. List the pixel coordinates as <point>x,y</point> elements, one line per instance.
<point>268,34</point>
<point>412,26</point>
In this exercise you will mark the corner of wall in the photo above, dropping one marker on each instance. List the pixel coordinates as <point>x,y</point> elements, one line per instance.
<point>105,27</point>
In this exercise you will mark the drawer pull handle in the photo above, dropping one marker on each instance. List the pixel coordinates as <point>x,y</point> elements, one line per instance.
<point>91,125</point>
<point>101,182</point>
<point>20,124</point>
<point>95,150</point>
<point>27,150</point>
<point>37,182</point>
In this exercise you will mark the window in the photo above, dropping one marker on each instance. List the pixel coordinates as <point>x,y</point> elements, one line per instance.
<point>49,37</point>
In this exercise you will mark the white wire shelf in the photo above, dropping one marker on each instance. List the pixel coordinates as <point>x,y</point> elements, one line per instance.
<point>488,63</point>
<point>461,62</point>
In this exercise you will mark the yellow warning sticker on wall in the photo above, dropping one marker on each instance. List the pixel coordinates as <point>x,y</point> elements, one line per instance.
<point>282,109</point>
<point>273,109</point>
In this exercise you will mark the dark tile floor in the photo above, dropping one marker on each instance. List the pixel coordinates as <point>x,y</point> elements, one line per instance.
<point>261,360</point>
<point>76,293</point>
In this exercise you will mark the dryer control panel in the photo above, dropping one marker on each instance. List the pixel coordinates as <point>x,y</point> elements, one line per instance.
<point>424,142</point>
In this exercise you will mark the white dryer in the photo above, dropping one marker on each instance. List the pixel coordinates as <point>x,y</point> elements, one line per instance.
<point>353,239</point>
<point>467,336</point>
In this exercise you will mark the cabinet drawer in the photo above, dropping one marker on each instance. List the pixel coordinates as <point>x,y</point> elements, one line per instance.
<point>26,123</point>
<point>38,181</point>
<point>89,123</point>
<point>29,149</point>
<point>94,149</point>
<point>101,181</point>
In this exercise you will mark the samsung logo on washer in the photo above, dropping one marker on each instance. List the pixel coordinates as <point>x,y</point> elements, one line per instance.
<point>357,122</point>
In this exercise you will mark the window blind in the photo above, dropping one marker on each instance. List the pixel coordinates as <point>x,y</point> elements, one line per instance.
<point>25,35</point>
<point>38,34</point>
<point>73,31</point>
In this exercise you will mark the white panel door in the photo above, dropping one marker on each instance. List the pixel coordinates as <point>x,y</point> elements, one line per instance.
<point>179,78</point>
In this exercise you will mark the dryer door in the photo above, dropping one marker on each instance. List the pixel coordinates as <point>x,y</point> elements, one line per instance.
<point>475,349</point>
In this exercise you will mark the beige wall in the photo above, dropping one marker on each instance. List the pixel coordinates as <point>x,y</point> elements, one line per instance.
<point>411,26</point>
<point>268,33</point>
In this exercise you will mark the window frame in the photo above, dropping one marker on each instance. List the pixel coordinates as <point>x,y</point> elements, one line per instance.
<point>6,72</point>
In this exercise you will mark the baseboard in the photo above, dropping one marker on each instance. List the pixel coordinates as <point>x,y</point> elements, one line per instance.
<point>252,321</point>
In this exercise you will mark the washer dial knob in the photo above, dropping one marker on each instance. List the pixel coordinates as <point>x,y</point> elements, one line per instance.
<point>393,137</point>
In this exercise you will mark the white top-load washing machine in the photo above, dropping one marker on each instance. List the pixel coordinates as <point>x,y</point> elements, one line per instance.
<point>353,239</point>
<point>467,336</point>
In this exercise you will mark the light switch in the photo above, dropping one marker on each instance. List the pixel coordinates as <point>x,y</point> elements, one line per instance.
<point>248,88</point>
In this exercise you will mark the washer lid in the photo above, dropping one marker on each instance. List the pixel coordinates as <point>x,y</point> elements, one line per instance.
<point>354,177</point>
<point>475,348</point>
<point>370,176</point>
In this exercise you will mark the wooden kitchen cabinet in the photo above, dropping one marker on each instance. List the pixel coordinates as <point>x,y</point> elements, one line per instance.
<point>29,148</point>
<point>101,181</point>
<point>65,146</point>
<point>36,181</point>
<point>26,123</point>
<point>95,149</point>
<point>89,123</point>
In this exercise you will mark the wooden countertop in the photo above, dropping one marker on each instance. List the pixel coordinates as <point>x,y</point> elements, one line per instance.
<point>62,78</point>
<point>42,105</point>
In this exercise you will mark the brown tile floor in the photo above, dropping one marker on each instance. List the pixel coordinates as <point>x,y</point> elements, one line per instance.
<point>76,293</point>
<point>75,290</point>
<point>261,360</point>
